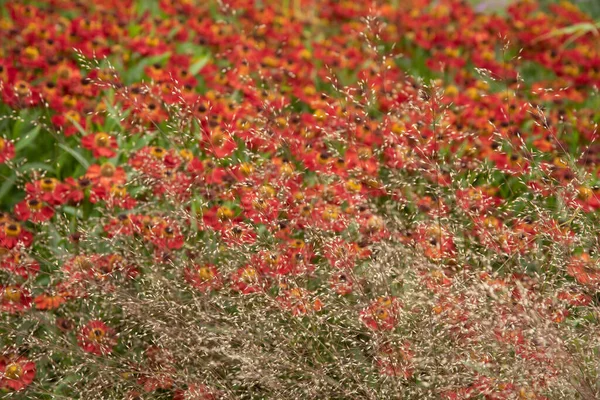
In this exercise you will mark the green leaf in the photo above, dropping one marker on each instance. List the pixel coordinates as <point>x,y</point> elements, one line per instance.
<point>37,165</point>
<point>78,126</point>
<point>198,65</point>
<point>136,72</point>
<point>575,30</point>
<point>7,185</point>
<point>75,155</point>
<point>26,140</point>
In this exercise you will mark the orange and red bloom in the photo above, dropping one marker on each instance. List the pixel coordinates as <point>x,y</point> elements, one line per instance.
<point>97,338</point>
<point>16,372</point>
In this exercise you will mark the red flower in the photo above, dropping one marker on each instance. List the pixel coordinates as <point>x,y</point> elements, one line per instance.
<point>12,234</point>
<point>14,299</point>
<point>96,338</point>
<point>167,235</point>
<point>247,280</point>
<point>49,301</point>
<point>49,190</point>
<point>381,315</point>
<point>583,269</point>
<point>33,210</point>
<point>7,150</point>
<point>238,234</point>
<point>14,262</point>
<point>395,361</point>
<point>203,277</point>
<point>297,302</point>
<point>101,144</point>
<point>16,372</point>
<point>115,196</point>
<point>341,283</point>
<point>219,144</point>
<point>76,190</point>
<point>106,174</point>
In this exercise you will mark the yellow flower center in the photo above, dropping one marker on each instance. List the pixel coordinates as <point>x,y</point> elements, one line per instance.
<point>286,169</point>
<point>382,314</point>
<point>168,232</point>
<point>12,293</point>
<point>12,230</point>
<point>224,212</point>
<point>384,302</point>
<point>205,274</point>
<point>118,191</point>
<point>585,193</point>
<point>97,335</point>
<point>107,170</point>
<point>13,371</point>
<point>364,153</point>
<point>331,213</point>
<point>2,144</point>
<point>157,152</point>
<point>217,138</point>
<point>34,204</point>
<point>259,204</point>
<point>48,184</point>
<point>297,243</point>
<point>267,191</point>
<point>249,275</point>
<point>374,223</point>
<point>186,155</point>
<point>353,186</point>
<point>22,88</point>
<point>102,139</point>
<point>246,169</point>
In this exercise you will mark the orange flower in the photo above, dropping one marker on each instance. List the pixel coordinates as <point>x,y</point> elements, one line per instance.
<point>96,338</point>
<point>106,175</point>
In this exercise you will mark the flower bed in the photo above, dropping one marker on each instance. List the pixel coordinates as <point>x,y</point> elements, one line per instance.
<point>303,199</point>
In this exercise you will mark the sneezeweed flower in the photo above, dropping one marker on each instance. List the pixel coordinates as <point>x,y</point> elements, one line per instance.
<point>12,234</point>
<point>340,254</point>
<point>65,324</point>
<point>48,190</point>
<point>158,370</point>
<point>435,241</point>
<point>18,263</point>
<point>298,301</point>
<point>122,224</point>
<point>15,299</point>
<point>7,150</point>
<point>574,298</point>
<point>76,190</point>
<point>97,338</point>
<point>382,314</point>
<point>33,210</point>
<point>16,372</point>
<point>342,283</point>
<point>115,197</point>
<point>50,301</point>
<point>247,280</point>
<point>106,175</point>
<point>204,277</point>
<point>583,268</point>
<point>394,360</point>
<point>238,234</point>
<point>101,144</point>
<point>167,235</point>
